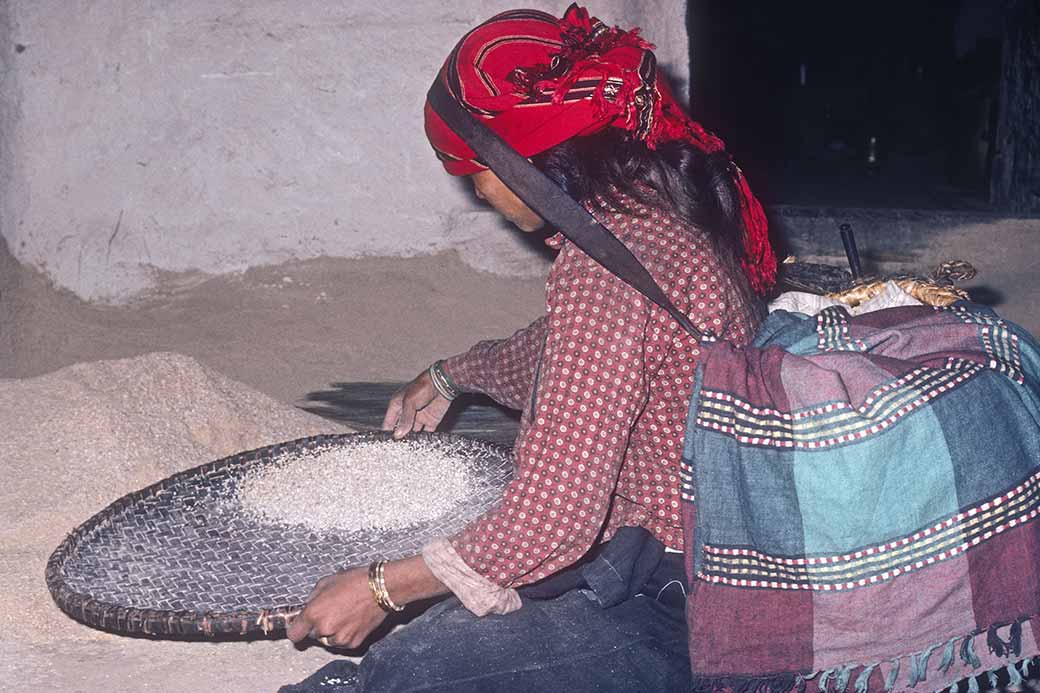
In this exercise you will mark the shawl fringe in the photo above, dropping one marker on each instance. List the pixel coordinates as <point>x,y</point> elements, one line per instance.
<point>915,665</point>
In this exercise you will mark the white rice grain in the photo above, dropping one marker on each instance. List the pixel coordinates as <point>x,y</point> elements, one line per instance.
<point>375,485</point>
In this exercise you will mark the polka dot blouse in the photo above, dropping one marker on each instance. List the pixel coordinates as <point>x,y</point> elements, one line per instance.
<point>604,380</point>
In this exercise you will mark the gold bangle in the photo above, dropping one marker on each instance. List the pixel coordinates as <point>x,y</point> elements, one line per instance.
<point>373,583</point>
<point>384,592</point>
<point>377,584</point>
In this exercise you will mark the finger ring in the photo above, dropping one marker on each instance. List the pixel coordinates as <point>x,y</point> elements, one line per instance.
<point>324,640</point>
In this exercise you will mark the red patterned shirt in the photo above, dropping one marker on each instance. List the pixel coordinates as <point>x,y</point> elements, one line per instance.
<point>604,382</point>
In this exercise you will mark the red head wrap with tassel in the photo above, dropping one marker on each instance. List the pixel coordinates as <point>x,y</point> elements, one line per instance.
<point>538,81</point>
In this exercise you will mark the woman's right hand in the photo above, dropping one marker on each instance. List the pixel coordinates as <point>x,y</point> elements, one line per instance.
<point>415,407</point>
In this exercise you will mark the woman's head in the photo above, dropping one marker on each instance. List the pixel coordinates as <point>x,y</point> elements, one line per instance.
<point>566,92</point>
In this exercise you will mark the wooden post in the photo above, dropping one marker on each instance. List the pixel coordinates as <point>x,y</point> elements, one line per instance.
<point>1015,177</point>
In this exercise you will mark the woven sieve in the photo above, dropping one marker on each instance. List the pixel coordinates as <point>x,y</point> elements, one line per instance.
<point>176,558</point>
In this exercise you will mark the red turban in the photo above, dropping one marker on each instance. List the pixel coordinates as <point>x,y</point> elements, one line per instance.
<point>537,81</point>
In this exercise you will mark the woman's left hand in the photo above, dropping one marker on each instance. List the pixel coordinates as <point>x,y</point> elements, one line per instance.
<point>340,611</point>
<point>415,407</point>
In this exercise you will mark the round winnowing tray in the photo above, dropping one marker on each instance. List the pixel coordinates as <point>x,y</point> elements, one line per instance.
<point>177,558</point>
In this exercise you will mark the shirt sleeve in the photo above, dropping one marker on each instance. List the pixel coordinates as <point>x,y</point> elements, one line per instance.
<point>502,369</point>
<point>603,343</point>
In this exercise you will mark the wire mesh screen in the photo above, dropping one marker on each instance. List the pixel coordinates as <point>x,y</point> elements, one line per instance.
<point>181,557</point>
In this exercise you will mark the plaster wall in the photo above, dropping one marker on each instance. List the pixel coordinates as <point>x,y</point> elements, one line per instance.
<point>143,136</point>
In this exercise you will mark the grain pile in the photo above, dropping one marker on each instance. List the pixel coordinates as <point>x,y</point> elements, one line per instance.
<point>375,485</point>
<point>74,440</point>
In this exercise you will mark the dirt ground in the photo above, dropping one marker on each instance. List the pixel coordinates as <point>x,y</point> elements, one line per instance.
<point>126,664</point>
<point>285,330</point>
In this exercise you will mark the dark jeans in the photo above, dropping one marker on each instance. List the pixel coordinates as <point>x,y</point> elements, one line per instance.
<point>619,625</point>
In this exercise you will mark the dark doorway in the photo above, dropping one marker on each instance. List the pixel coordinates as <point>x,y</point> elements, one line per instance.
<point>871,104</point>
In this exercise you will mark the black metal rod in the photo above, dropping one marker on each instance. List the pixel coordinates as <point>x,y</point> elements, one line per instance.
<point>851,252</point>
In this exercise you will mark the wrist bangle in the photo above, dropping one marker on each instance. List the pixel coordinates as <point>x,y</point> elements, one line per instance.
<point>442,383</point>
<point>377,584</point>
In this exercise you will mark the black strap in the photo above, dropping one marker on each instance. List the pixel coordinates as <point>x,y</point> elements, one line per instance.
<point>551,203</point>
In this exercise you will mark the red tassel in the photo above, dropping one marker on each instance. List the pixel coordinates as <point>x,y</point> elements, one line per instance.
<point>760,261</point>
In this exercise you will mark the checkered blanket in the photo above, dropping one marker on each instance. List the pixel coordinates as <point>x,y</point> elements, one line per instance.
<point>861,496</point>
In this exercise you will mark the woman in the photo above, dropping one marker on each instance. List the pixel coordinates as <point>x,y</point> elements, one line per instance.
<point>603,380</point>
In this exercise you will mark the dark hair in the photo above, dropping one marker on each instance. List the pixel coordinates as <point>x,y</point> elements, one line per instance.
<point>603,168</point>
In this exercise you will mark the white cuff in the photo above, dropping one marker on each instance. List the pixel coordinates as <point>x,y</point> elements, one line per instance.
<point>476,592</point>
